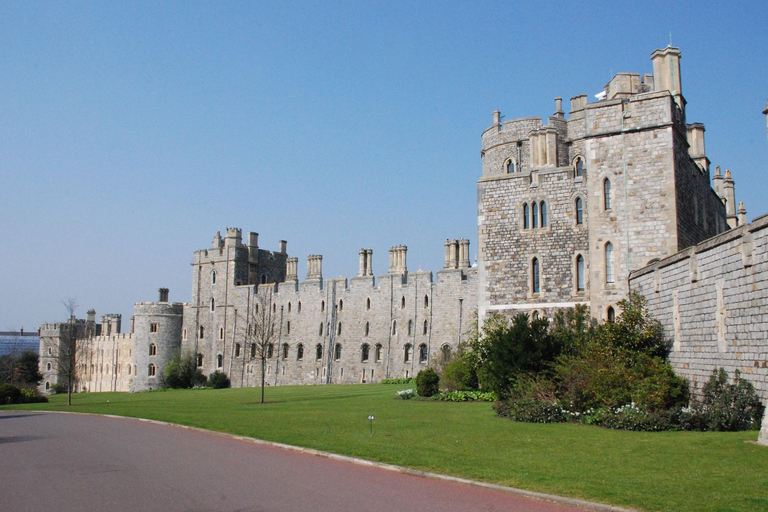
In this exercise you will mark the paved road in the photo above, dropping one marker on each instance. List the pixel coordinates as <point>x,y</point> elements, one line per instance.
<point>68,462</point>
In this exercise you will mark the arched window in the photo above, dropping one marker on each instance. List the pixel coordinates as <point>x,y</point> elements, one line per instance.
<point>338,331</point>
<point>579,207</point>
<point>426,301</point>
<point>607,198</point>
<point>337,351</point>
<point>237,350</point>
<point>402,303</point>
<point>579,167</point>
<point>274,308</point>
<point>509,166</point>
<point>535,276</point>
<point>213,277</point>
<point>285,351</point>
<point>368,304</point>
<point>213,304</point>
<point>394,327</point>
<point>322,305</point>
<point>526,217</point>
<point>299,352</point>
<point>543,207</point>
<point>318,351</point>
<point>202,332</point>
<point>289,307</point>
<point>263,278</point>
<point>534,215</point>
<point>199,359</point>
<point>367,328</point>
<point>365,349</point>
<point>378,352</point>
<point>580,284</point>
<point>445,353</point>
<point>341,304</point>
<point>426,326</point>
<point>270,350</point>
<point>320,333</point>
<point>47,385</point>
<point>48,367</point>
<point>610,314</point>
<point>609,262</point>
<point>253,350</point>
<point>152,349</point>
<point>219,361</point>
<point>299,308</point>
<point>535,315</point>
<point>407,353</point>
<point>410,327</point>
<point>151,370</point>
<point>423,353</point>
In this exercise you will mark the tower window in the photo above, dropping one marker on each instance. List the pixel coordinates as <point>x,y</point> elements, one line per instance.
<point>607,197</point>
<point>410,327</point>
<point>579,211</point>
<point>526,217</point>
<point>423,353</point>
<point>153,327</point>
<point>368,304</point>
<point>213,277</point>
<point>202,332</point>
<point>213,304</point>
<point>610,314</point>
<point>609,263</point>
<point>367,328</point>
<point>426,327</point>
<point>341,304</point>
<point>237,350</point>
<point>151,370</point>
<point>219,360</point>
<point>543,207</point>
<point>580,284</point>
<point>394,327</point>
<point>299,352</point>
<point>579,167</point>
<point>445,353</point>
<point>407,353</point>
<point>378,351</point>
<point>221,333</point>
<point>509,166</point>
<point>535,215</point>
<point>364,353</point>
<point>285,351</point>
<point>318,352</point>
<point>535,278</point>
<point>199,360</point>
<point>337,351</point>
<point>426,301</point>
<point>152,349</point>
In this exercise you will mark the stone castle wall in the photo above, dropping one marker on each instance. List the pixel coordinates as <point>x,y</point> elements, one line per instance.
<point>712,299</point>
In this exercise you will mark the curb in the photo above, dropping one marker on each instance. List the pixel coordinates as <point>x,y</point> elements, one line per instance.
<point>571,502</point>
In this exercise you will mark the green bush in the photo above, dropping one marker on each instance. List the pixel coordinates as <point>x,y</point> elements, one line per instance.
<point>58,389</point>
<point>405,394</point>
<point>464,396</point>
<point>427,382</point>
<point>459,374</point>
<point>397,381</point>
<point>9,394</point>
<point>729,407</point>
<point>182,372</point>
<point>31,396</point>
<point>218,380</point>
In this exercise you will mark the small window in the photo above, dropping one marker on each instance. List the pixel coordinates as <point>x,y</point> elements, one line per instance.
<point>423,353</point>
<point>535,276</point>
<point>609,263</point>
<point>535,315</point>
<point>367,328</point>
<point>50,351</point>
<point>184,334</point>
<point>289,307</point>
<point>337,351</point>
<point>378,351</point>
<point>213,277</point>
<point>274,308</point>
<point>219,360</point>
<point>407,353</point>
<point>48,367</point>
<point>426,328</point>
<point>402,303</point>
<point>152,349</point>
<point>213,304</point>
<point>202,332</point>
<point>338,330</point>
<point>579,167</point>
<point>543,207</point>
<point>285,351</point>
<point>151,370</point>
<point>299,352</point>
<point>410,327</point>
<point>322,305</point>
<point>509,166</point>
<point>237,350</point>
<point>47,385</point>
<point>607,198</point>
<point>341,304</point>
<point>199,360</point>
<point>580,281</point>
<point>579,206</point>
<point>445,353</point>
<point>129,369</point>
<point>394,327</point>
<point>253,350</point>
<point>153,327</point>
<point>270,350</point>
<point>368,304</point>
<point>318,352</point>
<point>426,301</point>
<point>320,333</point>
<point>526,217</point>
<point>534,215</point>
<point>221,333</point>
<point>263,278</point>
<point>610,314</point>
<point>365,349</point>
<point>299,308</point>
<point>288,327</point>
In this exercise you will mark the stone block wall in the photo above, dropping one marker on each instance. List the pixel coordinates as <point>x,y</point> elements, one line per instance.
<point>712,299</point>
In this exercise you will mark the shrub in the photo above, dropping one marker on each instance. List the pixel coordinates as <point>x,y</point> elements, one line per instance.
<point>459,374</point>
<point>9,394</point>
<point>464,396</point>
<point>397,381</point>
<point>198,380</point>
<point>181,372</point>
<point>30,396</point>
<point>57,389</point>
<point>405,394</point>
<point>728,407</point>
<point>218,380</point>
<point>427,382</point>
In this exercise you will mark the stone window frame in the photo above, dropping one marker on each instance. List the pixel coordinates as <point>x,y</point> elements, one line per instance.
<point>535,315</point>
<point>298,307</point>
<point>221,333</point>
<point>319,352</point>
<point>213,277</point>
<point>423,354</point>
<point>576,200</point>
<point>407,353</point>
<point>151,370</point>
<point>543,215</point>
<point>445,352</point>
<point>201,333</point>
<point>238,349</point>
<point>510,166</point>
<point>526,216</point>
<point>367,329</point>
<point>402,302</point>
<point>338,330</point>
<point>322,306</point>
<point>270,351</point>
<point>535,275</point>
<point>609,262</point>
<point>289,306</point>
<point>610,314</point>
<point>394,327</point>
<point>365,352</point>
<point>154,327</point>
<point>575,165</point>
<point>152,349</point>
<point>286,351</point>
<point>337,352</point>
<point>213,304</point>
<point>368,304</point>
<point>199,360</point>
<point>184,334</point>
<point>579,274</point>
<point>288,327</point>
<point>607,194</point>
<point>410,327</point>
<point>300,352</point>
<point>320,333</point>
<point>219,360</point>
<point>48,367</point>
<point>425,330</point>
<point>341,304</point>
<point>534,215</point>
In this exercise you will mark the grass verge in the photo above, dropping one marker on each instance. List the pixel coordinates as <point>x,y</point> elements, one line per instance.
<point>680,471</point>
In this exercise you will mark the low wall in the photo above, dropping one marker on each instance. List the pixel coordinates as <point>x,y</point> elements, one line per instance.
<point>713,302</point>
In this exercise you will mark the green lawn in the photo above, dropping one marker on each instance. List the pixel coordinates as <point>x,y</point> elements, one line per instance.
<point>696,471</point>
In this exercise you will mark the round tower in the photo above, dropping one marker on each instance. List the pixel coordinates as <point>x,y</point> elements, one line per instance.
<point>157,338</point>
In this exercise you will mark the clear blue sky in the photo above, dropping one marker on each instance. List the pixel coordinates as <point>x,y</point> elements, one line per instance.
<point>130,132</point>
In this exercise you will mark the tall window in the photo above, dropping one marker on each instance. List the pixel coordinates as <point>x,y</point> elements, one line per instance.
<point>299,352</point>
<point>221,333</point>
<point>337,351</point>
<point>535,277</point>
<point>367,328</point>
<point>219,361</point>
<point>338,331</point>
<point>611,314</point>
<point>378,351</point>
<point>322,305</point>
<point>445,353</point>
<point>270,350</point>
<point>288,327</point>
<point>154,327</point>
<point>364,352</point>
<point>410,327</point>
<point>402,303</point>
<point>423,353</point>
<point>199,359</point>
<point>151,370</point>
<point>152,349</point>
<point>609,262</point>
<point>543,207</point>
<point>408,352</point>
<point>285,351</point>
<point>580,273</point>
<point>213,304</point>
<point>237,350</point>
<point>426,327</point>
<point>253,350</point>
<point>341,304</point>
<point>318,351</point>
<point>579,211</point>
<point>579,167</point>
<point>394,327</point>
<point>320,333</point>
<point>526,217</point>
<point>607,198</point>
<point>509,166</point>
<point>368,304</point>
<point>535,215</point>
<point>213,277</point>
<point>202,332</point>
<point>426,301</point>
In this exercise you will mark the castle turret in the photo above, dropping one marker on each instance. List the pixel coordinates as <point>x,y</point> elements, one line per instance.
<point>666,73</point>
<point>696,148</point>
<point>157,338</point>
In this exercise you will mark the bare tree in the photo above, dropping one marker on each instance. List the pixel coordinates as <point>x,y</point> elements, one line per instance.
<point>260,331</point>
<point>66,360</point>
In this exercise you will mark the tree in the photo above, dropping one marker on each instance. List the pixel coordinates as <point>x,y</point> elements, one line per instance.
<point>26,369</point>
<point>66,360</point>
<point>260,332</point>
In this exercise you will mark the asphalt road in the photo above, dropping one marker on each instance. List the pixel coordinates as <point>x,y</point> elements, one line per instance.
<point>72,462</point>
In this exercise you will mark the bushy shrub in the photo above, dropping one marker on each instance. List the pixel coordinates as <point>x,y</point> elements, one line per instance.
<point>31,396</point>
<point>409,380</point>
<point>728,407</point>
<point>218,380</point>
<point>459,374</point>
<point>57,389</point>
<point>464,396</point>
<point>405,394</point>
<point>9,394</point>
<point>182,372</point>
<point>427,382</point>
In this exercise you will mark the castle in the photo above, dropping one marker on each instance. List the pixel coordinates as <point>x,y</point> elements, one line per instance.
<point>567,210</point>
